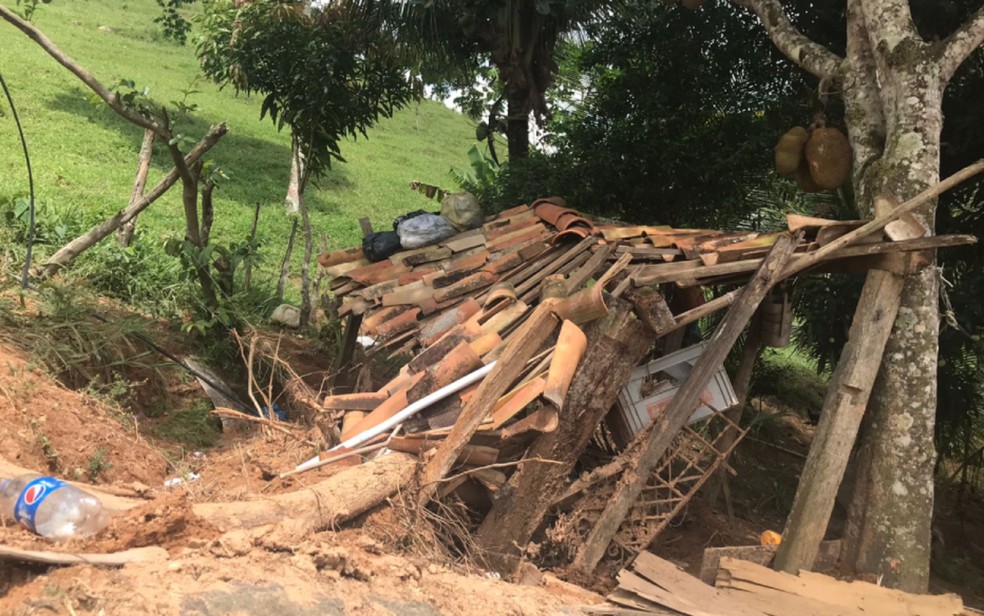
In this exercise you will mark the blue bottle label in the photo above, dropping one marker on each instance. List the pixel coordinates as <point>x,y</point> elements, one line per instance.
<point>31,498</point>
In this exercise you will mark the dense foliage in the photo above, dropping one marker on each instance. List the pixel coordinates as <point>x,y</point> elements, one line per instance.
<point>326,74</point>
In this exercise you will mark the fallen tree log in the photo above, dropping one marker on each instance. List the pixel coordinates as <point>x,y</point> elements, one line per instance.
<point>616,343</point>
<point>323,505</point>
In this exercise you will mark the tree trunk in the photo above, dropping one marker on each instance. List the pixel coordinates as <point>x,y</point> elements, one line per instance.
<point>323,505</point>
<point>295,186</point>
<point>517,124</point>
<point>285,265</point>
<point>125,233</point>
<point>888,531</point>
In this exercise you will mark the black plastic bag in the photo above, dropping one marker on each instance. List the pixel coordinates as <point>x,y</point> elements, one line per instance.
<point>382,245</point>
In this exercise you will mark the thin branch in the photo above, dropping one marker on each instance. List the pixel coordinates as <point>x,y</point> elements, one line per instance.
<point>111,98</point>
<point>80,244</point>
<point>958,46</point>
<point>799,48</point>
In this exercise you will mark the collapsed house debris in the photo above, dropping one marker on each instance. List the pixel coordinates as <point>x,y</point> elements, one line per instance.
<point>547,342</point>
<point>548,383</point>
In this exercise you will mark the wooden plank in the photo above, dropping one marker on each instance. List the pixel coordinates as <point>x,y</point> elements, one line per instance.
<point>522,345</point>
<point>679,583</point>
<point>854,598</point>
<point>761,555</point>
<point>843,407</point>
<point>679,270</point>
<point>664,428</point>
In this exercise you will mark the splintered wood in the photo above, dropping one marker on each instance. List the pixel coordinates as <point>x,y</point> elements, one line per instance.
<point>655,586</point>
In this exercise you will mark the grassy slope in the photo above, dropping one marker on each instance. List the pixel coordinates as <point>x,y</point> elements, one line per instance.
<point>85,157</point>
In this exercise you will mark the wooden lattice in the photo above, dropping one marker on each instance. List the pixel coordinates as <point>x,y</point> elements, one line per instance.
<point>691,460</point>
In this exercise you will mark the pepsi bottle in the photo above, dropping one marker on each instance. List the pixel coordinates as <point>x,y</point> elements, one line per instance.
<point>51,507</point>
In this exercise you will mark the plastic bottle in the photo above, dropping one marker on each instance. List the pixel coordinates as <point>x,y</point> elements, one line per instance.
<point>51,507</point>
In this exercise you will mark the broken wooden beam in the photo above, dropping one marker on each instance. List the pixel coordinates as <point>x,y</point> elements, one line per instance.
<point>662,430</point>
<point>521,347</point>
<point>690,270</point>
<point>616,343</point>
<point>843,408</point>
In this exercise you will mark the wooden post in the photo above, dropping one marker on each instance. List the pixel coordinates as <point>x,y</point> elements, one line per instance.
<point>843,408</point>
<point>664,428</point>
<point>522,345</point>
<point>616,343</point>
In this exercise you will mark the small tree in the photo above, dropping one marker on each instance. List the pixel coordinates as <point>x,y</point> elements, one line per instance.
<point>326,74</point>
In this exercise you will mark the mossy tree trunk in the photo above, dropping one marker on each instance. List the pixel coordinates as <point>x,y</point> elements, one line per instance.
<point>892,82</point>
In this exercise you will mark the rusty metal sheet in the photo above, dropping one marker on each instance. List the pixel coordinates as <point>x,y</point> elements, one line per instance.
<point>464,286</point>
<point>512,403</point>
<point>571,344</point>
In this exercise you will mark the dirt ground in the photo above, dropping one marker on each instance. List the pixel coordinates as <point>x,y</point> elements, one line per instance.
<point>366,570</point>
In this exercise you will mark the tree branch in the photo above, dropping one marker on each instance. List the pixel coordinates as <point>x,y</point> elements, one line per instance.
<point>111,98</point>
<point>69,251</point>
<point>958,46</point>
<point>862,96</point>
<point>806,53</point>
<point>892,33</point>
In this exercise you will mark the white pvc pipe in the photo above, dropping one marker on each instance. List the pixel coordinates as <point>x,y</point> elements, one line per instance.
<point>406,413</point>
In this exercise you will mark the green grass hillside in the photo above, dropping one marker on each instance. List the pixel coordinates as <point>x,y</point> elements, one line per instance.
<point>84,156</point>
